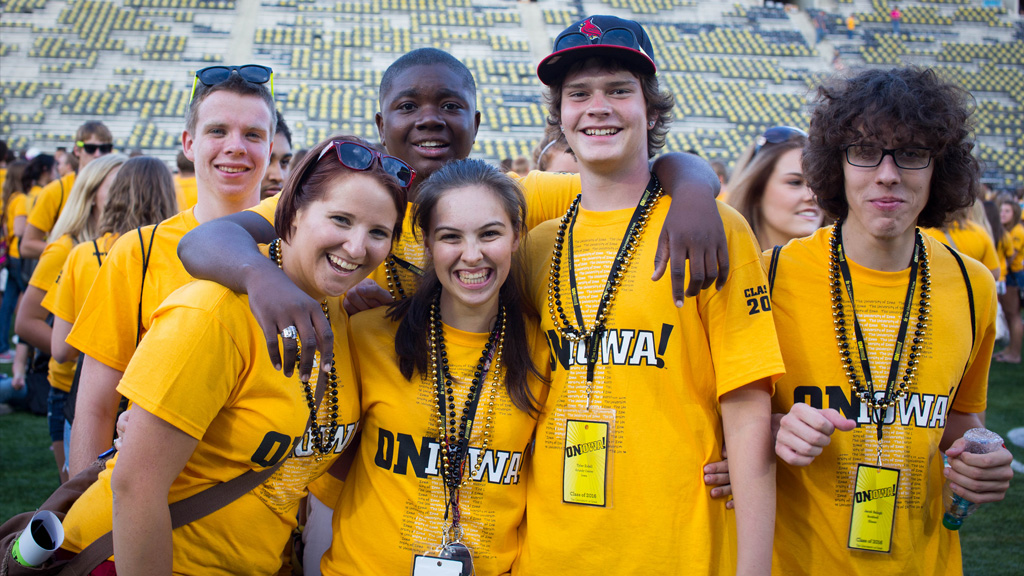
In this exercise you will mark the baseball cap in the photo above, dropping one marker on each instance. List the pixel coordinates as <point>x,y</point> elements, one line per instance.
<point>610,36</point>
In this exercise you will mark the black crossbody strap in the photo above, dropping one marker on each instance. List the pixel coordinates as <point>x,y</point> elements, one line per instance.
<point>146,253</point>
<point>773,268</point>
<point>183,512</point>
<point>974,321</point>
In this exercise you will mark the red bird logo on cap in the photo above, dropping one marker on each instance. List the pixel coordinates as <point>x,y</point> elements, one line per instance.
<point>590,29</point>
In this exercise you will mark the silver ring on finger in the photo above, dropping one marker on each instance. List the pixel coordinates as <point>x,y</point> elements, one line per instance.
<point>290,332</point>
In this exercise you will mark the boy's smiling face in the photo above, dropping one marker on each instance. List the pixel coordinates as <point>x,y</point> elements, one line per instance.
<point>428,118</point>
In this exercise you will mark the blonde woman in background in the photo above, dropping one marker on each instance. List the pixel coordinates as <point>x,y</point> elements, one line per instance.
<point>78,223</point>
<point>142,194</point>
<point>769,190</point>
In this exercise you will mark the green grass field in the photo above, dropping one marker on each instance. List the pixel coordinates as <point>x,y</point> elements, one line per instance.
<point>992,539</point>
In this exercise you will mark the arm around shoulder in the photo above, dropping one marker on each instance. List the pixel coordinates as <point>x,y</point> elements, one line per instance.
<point>693,228</point>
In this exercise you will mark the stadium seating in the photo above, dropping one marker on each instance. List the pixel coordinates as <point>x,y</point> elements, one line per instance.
<point>735,68</point>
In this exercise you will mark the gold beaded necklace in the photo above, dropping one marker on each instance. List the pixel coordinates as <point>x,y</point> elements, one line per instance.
<point>394,282</point>
<point>627,249</point>
<point>391,264</point>
<point>896,387</point>
<point>321,443</point>
<point>454,435</point>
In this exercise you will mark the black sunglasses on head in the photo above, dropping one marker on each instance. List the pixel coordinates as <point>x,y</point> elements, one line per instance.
<point>613,37</point>
<point>213,75</point>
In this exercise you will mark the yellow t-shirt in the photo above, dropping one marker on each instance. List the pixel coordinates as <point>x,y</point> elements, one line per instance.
<point>50,202</point>
<point>814,502</point>
<point>1005,252</point>
<point>392,505</point>
<point>66,298</point>
<point>15,208</point>
<point>45,277</point>
<point>548,195</point>
<point>971,240</point>
<point>1017,239</point>
<point>204,369</point>
<point>187,192</point>
<point>106,327</point>
<point>30,203</point>
<point>657,370</point>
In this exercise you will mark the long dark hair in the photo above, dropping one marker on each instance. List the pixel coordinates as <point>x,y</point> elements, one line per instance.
<point>413,313</point>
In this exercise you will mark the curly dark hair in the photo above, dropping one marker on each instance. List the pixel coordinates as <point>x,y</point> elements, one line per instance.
<point>908,105</point>
<point>659,104</point>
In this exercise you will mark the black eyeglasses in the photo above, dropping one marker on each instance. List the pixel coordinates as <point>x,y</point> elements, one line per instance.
<point>213,75</point>
<point>910,158</point>
<point>613,37</point>
<point>357,157</point>
<point>92,148</point>
<point>777,135</point>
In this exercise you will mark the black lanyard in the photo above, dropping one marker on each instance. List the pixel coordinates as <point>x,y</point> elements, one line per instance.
<point>901,336</point>
<point>621,258</point>
<point>408,266</point>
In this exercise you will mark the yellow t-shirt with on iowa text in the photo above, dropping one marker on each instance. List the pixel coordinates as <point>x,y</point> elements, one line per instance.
<point>814,502</point>
<point>50,201</point>
<point>45,277</point>
<point>969,239</point>
<point>204,368</point>
<point>393,505</point>
<point>548,196</point>
<point>662,370</point>
<point>108,322</point>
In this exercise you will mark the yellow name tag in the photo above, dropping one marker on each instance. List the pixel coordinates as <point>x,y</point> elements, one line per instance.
<point>874,508</point>
<point>585,468</point>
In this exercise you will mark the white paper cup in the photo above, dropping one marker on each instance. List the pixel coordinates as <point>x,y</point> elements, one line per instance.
<point>40,540</point>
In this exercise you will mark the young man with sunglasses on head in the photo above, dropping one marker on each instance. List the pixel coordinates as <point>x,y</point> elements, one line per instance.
<point>886,334</point>
<point>229,130</point>
<point>92,140</point>
<point>643,394</point>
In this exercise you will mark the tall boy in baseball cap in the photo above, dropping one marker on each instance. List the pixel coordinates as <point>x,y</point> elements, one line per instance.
<point>643,394</point>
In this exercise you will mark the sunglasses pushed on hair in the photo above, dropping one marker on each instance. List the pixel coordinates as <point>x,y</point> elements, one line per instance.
<point>355,156</point>
<point>613,37</point>
<point>777,135</point>
<point>213,75</point>
<point>93,148</point>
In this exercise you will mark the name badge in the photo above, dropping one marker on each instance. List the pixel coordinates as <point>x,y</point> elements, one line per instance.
<point>434,566</point>
<point>874,508</point>
<point>585,468</point>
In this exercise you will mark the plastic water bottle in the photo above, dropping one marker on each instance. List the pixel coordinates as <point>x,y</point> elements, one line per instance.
<point>979,441</point>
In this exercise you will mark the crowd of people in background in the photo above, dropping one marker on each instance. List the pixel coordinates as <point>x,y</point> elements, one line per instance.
<point>434,360</point>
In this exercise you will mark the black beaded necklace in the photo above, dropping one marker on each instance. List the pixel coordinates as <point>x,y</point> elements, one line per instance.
<point>896,386</point>
<point>321,443</point>
<point>455,430</point>
<point>627,249</point>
